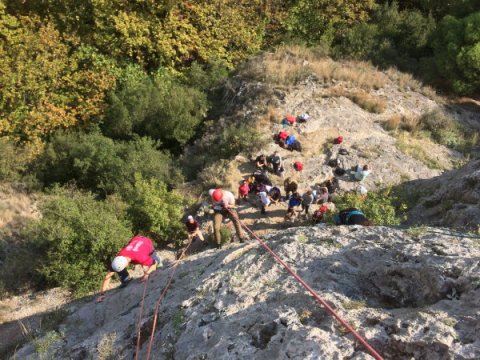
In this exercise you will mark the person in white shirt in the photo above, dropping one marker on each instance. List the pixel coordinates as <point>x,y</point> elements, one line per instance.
<point>361,172</point>
<point>223,203</point>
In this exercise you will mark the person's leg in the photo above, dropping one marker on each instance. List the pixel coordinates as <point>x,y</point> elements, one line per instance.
<point>307,207</point>
<point>124,277</point>
<point>217,223</point>
<point>199,234</point>
<point>156,258</point>
<point>236,223</point>
<point>263,211</point>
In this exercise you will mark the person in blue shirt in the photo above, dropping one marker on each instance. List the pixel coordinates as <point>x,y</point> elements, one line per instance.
<point>294,202</point>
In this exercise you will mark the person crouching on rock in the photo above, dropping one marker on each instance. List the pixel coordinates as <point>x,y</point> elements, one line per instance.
<point>223,203</point>
<point>140,251</point>
<point>352,216</point>
<point>193,229</point>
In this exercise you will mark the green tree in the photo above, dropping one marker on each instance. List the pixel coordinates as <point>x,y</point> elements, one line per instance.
<point>156,211</point>
<point>159,107</point>
<point>456,45</point>
<point>47,83</point>
<point>100,164</point>
<point>311,19</point>
<point>77,236</point>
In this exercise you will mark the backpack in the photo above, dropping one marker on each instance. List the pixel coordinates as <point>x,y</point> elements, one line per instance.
<point>298,166</point>
<point>295,146</point>
<point>338,140</point>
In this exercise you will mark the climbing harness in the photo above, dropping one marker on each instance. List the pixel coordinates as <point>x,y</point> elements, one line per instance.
<point>367,346</point>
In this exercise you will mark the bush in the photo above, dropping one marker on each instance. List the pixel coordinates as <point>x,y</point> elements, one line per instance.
<point>101,165</point>
<point>156,211</point>
<point>383,207</point>
<point>77,236</point>
<point>236,139</point>
<point>13,161</point>
<point>159,107</point>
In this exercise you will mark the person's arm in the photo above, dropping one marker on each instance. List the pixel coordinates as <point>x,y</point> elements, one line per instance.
<point>151,269</point>
<point>105,283</point>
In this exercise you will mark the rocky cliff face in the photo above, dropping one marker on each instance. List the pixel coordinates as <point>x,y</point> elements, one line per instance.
<point>411,294</point>
<point>451,199</point>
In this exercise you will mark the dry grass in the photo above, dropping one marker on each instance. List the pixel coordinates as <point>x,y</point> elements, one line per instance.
<point>411,123</point>
<point>392,123</point>
<point>367,102</point>
<point>291,64</point>
<point>272,115</point>
<point>415,148</point>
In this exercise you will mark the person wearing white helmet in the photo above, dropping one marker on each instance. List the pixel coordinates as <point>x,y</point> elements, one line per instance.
<point>193,228</point>
<point>139,250</point>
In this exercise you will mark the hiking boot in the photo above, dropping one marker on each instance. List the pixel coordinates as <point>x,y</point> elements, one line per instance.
<point>125,282</point>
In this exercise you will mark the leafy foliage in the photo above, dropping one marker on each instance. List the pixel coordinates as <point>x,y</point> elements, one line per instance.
<point>383,207</point>
<point>156,211</point>
<point>78,235</point>
<point>159,107</point>
<point>100,164</point>
<point>46,84</point>
<point>456,45</point>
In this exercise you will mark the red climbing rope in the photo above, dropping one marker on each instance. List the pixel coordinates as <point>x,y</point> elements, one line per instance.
<point>162,295</point>
<point>370,349</point>
<point>140,315</point>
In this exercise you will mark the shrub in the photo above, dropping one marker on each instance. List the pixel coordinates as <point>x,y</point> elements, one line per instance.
<point>368,102</point>
<point>392,123</point>
<point>156,211</point>
<point>13,160</point>
<point>77,236</point>
<point>159,107</point>
<point>383,207</point>
<point>236,139</point>
<point>100,164</point>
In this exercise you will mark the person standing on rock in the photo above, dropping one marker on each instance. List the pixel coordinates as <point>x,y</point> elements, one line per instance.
<point>223,203</point>
<point>193,229</point>
<point>290,185</point>
<point>352,216</point>
<point>139,250</point>
<point>243,191</point>
<point>307,200</point>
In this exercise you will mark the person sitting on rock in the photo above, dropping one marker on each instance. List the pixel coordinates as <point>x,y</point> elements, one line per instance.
<point>139,250</point>
<point>322,196</point>
<point>294,202</point>
<point>261,162</point>
<point>290,185</point>
<point>332,186</point>
<point>276,161</point>
<point>275,194</point>
<point>352,216</point>
<point>193,228</point>
<point>361,173</point>
<point>318,214</point>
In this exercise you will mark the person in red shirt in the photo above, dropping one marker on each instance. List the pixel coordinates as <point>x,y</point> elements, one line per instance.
<point>140,251</point>
<point>243,190</point>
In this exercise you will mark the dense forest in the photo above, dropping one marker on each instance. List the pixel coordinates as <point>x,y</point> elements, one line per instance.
<point>99,99</point>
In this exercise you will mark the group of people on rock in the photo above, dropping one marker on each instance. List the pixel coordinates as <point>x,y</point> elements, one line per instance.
<point>140,249</point>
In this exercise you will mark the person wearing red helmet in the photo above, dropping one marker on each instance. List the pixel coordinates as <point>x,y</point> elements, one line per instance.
<point>221,201</point>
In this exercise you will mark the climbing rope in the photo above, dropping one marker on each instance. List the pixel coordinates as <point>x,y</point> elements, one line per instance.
<point>367,346</point>
<point>140,315</point>
<point>160,298</point>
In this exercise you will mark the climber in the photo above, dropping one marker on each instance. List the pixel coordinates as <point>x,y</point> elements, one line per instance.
<point>294,202</point>
<point>243,190</point>
<point>361,172</point>
<point>139,250</point>
<point>352,216</point>
<point>223,203</point>
<point>307,200</point>
<point>193,229</point>
<point>261,162</point>
<point>290,185</point>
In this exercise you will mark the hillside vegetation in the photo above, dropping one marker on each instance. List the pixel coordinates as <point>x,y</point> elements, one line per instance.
<point>117,115</point>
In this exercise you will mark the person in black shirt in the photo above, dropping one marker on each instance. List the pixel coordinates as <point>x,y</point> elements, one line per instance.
<point>193,229</point>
